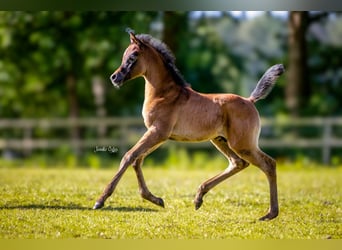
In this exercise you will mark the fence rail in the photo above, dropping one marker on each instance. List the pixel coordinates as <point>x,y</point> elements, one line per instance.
<point>21,134</point>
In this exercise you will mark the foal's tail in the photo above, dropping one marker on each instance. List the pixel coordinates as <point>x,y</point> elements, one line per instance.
<point>266,83</point>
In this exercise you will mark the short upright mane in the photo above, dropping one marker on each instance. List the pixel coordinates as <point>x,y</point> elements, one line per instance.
<point>167,55</point>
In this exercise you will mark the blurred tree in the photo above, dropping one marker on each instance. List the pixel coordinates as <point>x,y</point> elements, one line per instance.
<point>49,60</point>
<point>206,62</point>
<point>175,29</point>
<point>298,88</point>
<point>325,46</point>
<point>298,85</point>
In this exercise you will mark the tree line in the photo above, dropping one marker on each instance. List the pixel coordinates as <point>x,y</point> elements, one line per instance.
<point>57,64</point>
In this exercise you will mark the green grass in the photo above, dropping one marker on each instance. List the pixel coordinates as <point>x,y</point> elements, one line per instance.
<point>56,203</point>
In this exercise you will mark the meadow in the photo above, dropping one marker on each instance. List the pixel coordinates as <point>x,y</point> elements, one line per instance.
<point>55,203</point>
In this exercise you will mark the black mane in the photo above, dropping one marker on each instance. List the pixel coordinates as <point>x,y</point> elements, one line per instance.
<point>167,55</point>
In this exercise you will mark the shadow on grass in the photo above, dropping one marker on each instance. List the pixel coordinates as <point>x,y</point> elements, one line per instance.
<point>77,207</point>
<point>129,209</point>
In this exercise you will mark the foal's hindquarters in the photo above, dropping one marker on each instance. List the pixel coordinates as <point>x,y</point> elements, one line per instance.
<point>240,146</point>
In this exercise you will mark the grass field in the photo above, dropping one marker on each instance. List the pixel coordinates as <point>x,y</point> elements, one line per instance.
<point>56,203</point>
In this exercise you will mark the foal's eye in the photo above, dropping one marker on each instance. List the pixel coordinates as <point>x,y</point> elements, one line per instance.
<point>134,55</point>
<point>132,58</point>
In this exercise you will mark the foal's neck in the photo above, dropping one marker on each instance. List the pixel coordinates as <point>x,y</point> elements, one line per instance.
<point>158,81</point>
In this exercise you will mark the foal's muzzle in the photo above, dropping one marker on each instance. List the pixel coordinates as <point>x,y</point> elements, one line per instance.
<point>117,79</point>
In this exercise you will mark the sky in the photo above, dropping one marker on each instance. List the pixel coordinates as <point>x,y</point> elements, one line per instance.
<point>249,14</point>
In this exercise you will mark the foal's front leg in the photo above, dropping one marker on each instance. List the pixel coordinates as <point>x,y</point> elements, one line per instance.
<point>144,192</point>
<point>150,141</point>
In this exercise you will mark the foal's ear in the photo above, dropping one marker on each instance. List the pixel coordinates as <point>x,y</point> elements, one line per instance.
<point>135,40</point>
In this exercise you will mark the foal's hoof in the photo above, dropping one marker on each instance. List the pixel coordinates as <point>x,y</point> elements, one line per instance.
<point>269,216</point>
<point>160,202</point>
<point>198,203</point>
<point>98,205</point>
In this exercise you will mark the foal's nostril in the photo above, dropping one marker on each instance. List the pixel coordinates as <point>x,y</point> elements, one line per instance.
<point>112,77</point>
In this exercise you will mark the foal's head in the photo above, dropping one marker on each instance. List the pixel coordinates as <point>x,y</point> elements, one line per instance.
<point>133,64</point>
<point>143,52</point>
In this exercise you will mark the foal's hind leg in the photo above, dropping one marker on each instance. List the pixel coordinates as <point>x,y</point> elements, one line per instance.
<point>236,165</point>
<point>144,192</point>
<point>268,166</point>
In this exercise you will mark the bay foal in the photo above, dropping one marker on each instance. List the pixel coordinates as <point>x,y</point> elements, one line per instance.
<point>172,110</point>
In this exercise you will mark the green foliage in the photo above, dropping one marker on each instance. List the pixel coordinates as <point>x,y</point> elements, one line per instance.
<point>40,50</point>
<point>326,91</point>
<point>56,204</point>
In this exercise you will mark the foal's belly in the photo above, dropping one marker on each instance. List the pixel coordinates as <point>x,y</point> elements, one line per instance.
<point>196,131</point>
<point>189,138</point>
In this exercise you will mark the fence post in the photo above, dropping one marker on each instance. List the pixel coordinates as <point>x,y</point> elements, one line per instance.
<point>327,129</point>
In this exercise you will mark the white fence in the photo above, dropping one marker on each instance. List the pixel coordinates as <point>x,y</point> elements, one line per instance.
<point>30,134</point>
